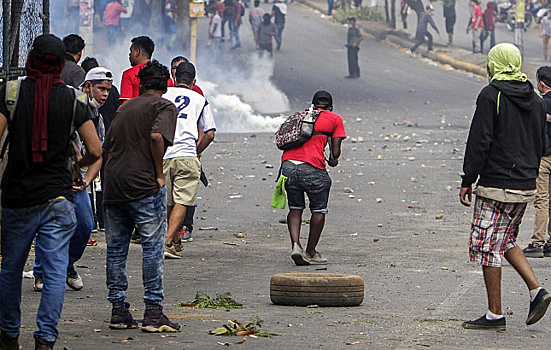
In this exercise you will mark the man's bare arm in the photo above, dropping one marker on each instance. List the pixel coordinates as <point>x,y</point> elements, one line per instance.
<point>157,147</point>
<point>89,137</point>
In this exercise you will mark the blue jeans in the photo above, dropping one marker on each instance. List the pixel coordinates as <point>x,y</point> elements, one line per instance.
<point>148,215</point>
<point>421,38</point>
<point>235,34</point>
<point>79,240</point>
<point>53,224</point>
<point>279,36</point>
<point>230,24</point>
<point>330,7</point>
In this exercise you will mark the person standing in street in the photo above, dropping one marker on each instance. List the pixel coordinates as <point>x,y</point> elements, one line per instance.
<point>449,16</point>
<point>266,31</point>
<point>37,193</point>
<point>215,33</point>
<point>354,38</point>
<point>506,142</point>
<point>545,34</point>
<point>279,11</point>
<point>423,30</point>
<point>404,9</point>
<point>141,50</point>
<point>181,165</point>
<point>489,25</point>
<point>304,167</point>
<point>238,12</point>
<point>73,74</point>
<point>475,26</point>
<point>255,19</point>
<point>539,247</point>
<point>134,197</point>
<point>111,16</point>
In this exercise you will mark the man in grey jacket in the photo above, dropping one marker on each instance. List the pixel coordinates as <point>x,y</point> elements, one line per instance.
<point>422,29</point>
<point>73,74</point>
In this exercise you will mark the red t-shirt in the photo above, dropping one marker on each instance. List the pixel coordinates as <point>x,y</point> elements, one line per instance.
<point>312,150</point>
<point>130,83</point>
<point>477,16</point>
<point>197,89</point>
<point>112,13</point>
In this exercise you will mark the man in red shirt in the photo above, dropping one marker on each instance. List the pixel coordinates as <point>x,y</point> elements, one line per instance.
<point>141,51</point>
<point>173,65</point>
<point>111,16</point>
<point>304,167</point>
<point>476,25</point>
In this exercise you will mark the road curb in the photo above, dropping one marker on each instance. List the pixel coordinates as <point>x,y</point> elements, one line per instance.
<point>393,36</point>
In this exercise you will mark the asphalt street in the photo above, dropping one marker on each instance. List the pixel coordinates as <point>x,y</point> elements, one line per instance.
<point>401,229</point>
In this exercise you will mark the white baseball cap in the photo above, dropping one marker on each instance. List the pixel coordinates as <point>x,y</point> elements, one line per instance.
<point>99,73</point>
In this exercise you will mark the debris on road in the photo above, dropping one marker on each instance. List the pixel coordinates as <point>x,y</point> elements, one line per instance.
<point>236,328</point>
<point>220,302</point>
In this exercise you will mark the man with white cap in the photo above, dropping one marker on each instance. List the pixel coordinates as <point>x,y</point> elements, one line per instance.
<point>423,30</point>
<point>95,91</point>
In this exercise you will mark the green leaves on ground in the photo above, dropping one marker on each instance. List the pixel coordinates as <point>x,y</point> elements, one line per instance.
<point>220,302</point>
<point>235,327</point>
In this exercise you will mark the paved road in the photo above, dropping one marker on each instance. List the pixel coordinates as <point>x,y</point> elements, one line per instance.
<point>419,286</point>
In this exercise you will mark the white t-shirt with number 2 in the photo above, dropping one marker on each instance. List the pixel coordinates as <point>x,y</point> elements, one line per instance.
<point>193,110</point>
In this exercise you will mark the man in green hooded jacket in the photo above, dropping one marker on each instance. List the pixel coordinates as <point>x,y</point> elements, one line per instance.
<point>506,141</point>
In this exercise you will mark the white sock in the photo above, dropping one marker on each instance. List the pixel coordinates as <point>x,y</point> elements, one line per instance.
<point>491,316</point>
<point>534,294</point>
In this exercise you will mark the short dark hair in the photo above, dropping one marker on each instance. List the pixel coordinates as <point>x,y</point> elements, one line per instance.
<point>256,3</point>
<point>73,43</point>
<point>144,43</point>
<point>89,63</point>
<point>185,73</point>
<point>544,75</point>
<point>178,58</point>
<point>154,76</point>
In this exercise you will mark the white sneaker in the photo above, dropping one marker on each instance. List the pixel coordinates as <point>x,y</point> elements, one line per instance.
<point>75,282</point>
<point>38,284</point>
<point>298,256</point>
<point>316,259</point>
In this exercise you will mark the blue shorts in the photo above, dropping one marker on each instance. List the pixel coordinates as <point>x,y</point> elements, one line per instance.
<point>304,178</point>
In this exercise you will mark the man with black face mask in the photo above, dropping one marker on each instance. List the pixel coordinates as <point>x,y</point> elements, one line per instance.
<point>266,31</point>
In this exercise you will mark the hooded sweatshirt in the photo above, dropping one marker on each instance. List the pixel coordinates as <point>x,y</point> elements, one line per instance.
<point>507,137</point>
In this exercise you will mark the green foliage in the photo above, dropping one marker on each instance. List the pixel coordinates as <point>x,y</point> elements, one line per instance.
<point>375,13</point>
<point>235,327</point>
<point>220,302</point>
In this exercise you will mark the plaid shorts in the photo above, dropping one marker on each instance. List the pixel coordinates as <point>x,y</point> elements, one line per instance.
<point>494,230</point>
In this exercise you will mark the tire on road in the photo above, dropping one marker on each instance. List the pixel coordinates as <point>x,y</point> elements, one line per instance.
<point>323,289</point>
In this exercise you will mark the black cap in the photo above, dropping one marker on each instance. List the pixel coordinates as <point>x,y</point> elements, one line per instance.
<point>185,72</point>
<point>266,15</point>
<point>352,19</point>
<point>48,44</point>
<point>322,99</point>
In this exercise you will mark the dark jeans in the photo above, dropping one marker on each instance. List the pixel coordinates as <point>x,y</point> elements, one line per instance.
<point>353,67</point>
<point>421,39</point>
<point>279,36</point>
<point>113,33</point>
<point>304,178</point>
<point>148,216</point>
<point>404,20</point>
<point>79,239</point>
<point>53,224</point>
<point>235,34</point>
<point>188,220</point>
<point>330,7</point>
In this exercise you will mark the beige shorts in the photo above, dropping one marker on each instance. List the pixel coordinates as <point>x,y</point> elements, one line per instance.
<point>182,180</point>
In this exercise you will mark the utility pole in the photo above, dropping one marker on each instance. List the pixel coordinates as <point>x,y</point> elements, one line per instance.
<point>196,10</point>
<point>519,26</point>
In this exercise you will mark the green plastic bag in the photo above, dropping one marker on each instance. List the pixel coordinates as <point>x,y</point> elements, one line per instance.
<point>279,199</point>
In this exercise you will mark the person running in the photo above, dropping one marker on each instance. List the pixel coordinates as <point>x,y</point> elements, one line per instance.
<point>304,167</point>
<point>134,197</point>
<point>509,116</point>
<point>182,168</point>
<point>540,243</point>
<point>423,30</point>
<point>141,50</point>
<point>37,196</point>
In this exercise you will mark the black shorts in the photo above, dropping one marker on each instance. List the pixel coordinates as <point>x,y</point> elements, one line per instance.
<point>450,22</point>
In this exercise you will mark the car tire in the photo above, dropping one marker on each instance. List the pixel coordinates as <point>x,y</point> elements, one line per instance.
<point>322,289</point>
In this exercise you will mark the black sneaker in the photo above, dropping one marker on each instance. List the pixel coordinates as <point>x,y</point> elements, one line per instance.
<point>40,344</point>
<point>121,318</point>
<point>155,321</point>
<point>547,250</point>
<point>7,343</point>
<point>538,307</point>
<point>484,323</point>
<point>533,251</point>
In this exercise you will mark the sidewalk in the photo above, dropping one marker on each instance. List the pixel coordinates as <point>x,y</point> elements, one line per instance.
<point>456,57</point>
